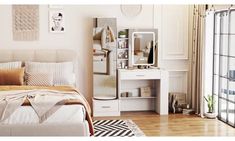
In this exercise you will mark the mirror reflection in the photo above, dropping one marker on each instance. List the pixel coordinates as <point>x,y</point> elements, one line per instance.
<point>143,44</point>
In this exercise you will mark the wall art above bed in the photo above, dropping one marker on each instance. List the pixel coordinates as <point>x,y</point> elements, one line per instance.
<point>56,21</point>
<point>25,22</point>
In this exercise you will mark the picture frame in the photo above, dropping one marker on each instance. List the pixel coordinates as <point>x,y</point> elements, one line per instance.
<point>56,21</point>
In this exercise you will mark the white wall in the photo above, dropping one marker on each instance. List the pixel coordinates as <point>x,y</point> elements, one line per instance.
<point>78,35</point>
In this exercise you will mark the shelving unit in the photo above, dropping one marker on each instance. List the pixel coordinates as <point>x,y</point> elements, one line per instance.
<point>130,81</point>
<point>224,65</point>
<point>122,51</point>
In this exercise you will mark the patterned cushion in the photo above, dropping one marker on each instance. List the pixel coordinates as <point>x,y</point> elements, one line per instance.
<point>10,65</point>
<point>39,79</point>
<point>62,73</point>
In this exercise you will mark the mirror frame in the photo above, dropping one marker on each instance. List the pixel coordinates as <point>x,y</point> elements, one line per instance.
<point>133,47</point>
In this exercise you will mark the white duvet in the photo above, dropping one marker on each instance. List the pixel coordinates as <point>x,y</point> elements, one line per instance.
<point>66,114</point>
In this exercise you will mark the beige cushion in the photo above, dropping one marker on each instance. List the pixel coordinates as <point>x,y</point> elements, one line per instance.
<point>62,72</point>
<point>39,79</point>
<point>12,76</point>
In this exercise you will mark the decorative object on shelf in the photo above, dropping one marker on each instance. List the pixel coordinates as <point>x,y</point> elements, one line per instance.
<point>131,10</point>
<point>122,34</point>
<point>123,49</point>
<point>123,55</point>
<point>177,102</point>
<point>122,44</point>
<point>25,22</point>
<point>123,64</point>
<point>210,104</point>
<point>130,94</point>
<point>145,92</point>
<point>56,21</point>
<point>124,94</point>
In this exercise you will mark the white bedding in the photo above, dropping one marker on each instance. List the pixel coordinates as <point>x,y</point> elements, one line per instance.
<point>66,114</point>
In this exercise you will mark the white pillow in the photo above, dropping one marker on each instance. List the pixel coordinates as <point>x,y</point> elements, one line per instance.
<point>39,79</point>
<point>11,65</point>
<point>62,72</point>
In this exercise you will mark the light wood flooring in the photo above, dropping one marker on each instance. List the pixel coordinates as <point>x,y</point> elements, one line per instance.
<point>176,124</point>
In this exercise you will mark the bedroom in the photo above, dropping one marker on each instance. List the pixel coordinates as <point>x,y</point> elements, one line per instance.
<point>30,37</point>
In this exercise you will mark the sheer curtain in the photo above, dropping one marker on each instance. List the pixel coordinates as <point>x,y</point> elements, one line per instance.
<point>195,76</point>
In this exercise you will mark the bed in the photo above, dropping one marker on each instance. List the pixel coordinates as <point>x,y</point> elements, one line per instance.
<point>71,118</point>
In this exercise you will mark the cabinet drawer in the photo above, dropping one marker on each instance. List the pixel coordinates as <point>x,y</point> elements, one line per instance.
<point>105,105</point>
<point>135,75</point>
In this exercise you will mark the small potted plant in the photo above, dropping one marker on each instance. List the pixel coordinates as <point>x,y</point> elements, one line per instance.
<point>210,104</point>
<point>122,34</point>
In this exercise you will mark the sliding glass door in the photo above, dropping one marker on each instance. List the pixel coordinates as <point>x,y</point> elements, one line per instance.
<point>224,65</point>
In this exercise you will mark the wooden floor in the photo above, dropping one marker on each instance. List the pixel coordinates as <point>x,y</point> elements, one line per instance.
<point>176,124</point>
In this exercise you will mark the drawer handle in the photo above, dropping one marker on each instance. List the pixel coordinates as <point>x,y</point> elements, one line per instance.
<point>106,107</point>
<point>140,75</point>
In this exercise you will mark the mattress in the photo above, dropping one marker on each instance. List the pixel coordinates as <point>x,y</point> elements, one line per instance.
<point>65,114</point>
<point>70,118</point>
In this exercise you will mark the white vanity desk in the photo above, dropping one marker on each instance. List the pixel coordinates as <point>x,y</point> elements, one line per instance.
<point>157,78</point>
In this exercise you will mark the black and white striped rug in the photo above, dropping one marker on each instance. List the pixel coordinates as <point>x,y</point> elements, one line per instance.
<point>116,128</point>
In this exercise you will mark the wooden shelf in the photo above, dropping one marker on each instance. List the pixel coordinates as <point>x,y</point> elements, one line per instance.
<point>120,38</point>
<point>122,59</point>
<point>137,97</point>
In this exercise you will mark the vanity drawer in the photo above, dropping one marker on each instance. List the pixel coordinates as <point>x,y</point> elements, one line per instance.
<point>106,105</point>
<point>135,75</point>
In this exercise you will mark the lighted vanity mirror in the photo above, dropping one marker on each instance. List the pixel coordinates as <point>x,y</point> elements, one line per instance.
<point>143,48</point>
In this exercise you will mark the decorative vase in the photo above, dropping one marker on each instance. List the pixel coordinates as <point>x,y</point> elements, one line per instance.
<point>211,115</point>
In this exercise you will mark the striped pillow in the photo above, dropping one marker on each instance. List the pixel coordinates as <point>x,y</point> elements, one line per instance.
<point>62,72</point>
<point>11,65</point>
<point>39,79</point>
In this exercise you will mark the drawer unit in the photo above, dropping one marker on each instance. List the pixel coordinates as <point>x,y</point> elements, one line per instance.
<point>106,107</point>
<point>136,75</point>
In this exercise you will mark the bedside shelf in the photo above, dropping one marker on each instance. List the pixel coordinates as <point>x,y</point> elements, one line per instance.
<point>137,97</point>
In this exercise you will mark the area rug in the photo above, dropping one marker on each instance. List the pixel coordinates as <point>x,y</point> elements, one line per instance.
<point>116,128</point>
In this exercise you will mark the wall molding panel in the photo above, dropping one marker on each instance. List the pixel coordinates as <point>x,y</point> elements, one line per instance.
<point>175,30</point>
<point>178,81</point>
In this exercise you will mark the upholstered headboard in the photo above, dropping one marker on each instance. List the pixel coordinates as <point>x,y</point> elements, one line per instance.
<point>58,55</point>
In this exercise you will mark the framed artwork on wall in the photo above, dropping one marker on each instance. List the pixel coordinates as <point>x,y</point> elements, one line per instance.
<point>56,21</point>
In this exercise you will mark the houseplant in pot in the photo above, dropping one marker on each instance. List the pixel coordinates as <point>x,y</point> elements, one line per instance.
<point>210,104</point>
<point>122,34</point>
